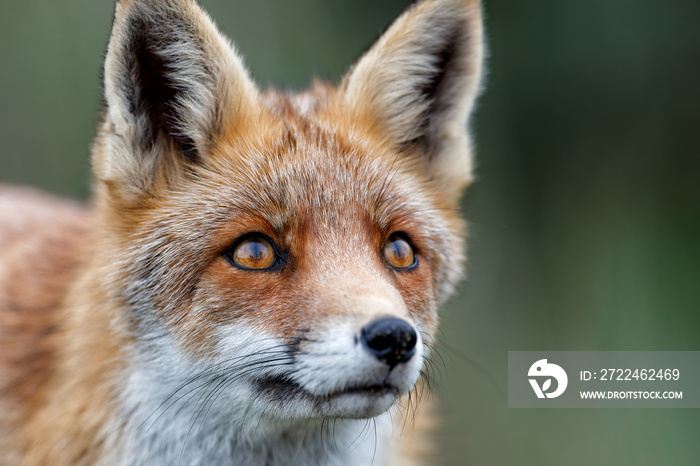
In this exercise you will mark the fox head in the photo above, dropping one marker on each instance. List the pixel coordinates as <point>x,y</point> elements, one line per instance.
<point>282,254</point>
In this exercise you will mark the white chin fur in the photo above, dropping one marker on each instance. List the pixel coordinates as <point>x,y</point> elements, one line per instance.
<point>193,408</point>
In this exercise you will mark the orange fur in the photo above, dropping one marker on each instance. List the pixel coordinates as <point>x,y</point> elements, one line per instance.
<point>104,309</point>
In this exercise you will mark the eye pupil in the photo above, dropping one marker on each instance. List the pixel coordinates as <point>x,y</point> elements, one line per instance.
<point>254,253</point>
<point>398,253</point>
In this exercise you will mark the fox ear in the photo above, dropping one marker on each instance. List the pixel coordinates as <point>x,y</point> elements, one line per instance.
<point>172,82</point>
<point>418,84</point>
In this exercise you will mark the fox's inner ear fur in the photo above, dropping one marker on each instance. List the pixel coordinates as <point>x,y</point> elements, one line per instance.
<point>419,81</point>
<point>172,81</point>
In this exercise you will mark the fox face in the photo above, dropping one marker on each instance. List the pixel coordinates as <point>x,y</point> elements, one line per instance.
<point>277,258</point>
<point>315,264</point>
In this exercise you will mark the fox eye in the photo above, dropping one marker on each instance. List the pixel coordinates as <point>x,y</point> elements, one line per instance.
<point>253,253</point>
<point>398,253</point>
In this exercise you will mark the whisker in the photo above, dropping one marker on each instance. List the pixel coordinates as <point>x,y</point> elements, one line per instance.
<point>479,368</point>
<point>212,368</point>
<point>184,444</point>
<point>211,374</point>
<point>364,431</point>
<point>374,454</point>
<point>335,442</point>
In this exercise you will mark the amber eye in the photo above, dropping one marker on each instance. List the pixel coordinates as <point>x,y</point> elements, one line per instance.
<point>398,253</point>
<point>255,253</point>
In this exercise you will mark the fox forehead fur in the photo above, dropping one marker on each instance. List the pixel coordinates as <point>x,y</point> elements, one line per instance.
<point>160,349</point>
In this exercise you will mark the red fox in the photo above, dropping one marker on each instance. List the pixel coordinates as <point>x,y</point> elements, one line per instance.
<point>257,278</point>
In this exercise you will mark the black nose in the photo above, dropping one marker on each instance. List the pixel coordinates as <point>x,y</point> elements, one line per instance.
<point>390,339</point>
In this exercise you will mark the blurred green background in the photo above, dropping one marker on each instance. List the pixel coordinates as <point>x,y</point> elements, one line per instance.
<point>585,221</point>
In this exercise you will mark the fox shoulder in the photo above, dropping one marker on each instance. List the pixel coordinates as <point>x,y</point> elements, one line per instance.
<point>41,239</point>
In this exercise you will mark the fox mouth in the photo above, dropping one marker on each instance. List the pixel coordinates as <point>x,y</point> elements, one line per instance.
<point>283,386</point>
<point>370,398</point>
